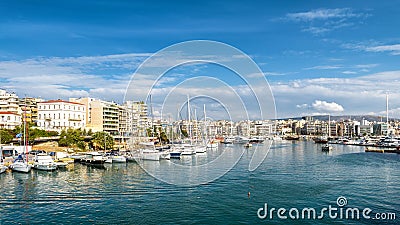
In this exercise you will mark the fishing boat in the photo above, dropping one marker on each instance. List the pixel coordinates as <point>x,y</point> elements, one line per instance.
<point>292,138</point>
<point>44,162</point>
<point>20,165</point>
<point>326,148</point>
<point>93,158</point>
<point>321,140</point>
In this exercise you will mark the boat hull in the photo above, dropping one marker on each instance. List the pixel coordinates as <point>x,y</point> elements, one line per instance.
<point>21,167</point>
<point>175,155</point>
<point>119,159</point>
<point>48,167</point>
<point>3,169</point>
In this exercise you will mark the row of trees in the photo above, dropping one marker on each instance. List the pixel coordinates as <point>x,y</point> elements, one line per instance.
<point>7,135</point>
<point>73,138</point>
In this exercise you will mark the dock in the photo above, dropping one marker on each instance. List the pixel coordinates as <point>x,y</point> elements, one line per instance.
<point>382,150</point>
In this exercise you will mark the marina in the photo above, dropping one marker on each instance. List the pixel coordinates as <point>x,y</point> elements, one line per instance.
<point>85,194</point>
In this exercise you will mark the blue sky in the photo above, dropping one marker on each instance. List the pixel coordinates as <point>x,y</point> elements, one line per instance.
<point>337,57</point>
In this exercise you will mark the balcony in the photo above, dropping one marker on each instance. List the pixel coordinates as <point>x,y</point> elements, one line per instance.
<point>75,119</point>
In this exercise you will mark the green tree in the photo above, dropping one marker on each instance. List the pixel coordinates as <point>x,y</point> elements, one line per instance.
<point>102,140</point>
<point>184,133</point>
<point>71,138</point>
<point>90,132</point>
<point>164,137</point>
<point>6,136</point>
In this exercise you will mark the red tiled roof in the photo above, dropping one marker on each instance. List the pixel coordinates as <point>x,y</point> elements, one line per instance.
<point>9,113</point>
<point>59,100</point>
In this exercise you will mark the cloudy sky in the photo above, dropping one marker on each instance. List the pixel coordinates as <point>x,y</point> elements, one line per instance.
<point>319,57</point>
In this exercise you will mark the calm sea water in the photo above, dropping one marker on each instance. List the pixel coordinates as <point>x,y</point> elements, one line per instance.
<point>294,175</point>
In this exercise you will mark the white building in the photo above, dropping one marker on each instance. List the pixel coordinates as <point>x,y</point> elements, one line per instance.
<point>9,102</point>
<point>9,120</point>
<point>58,115</point>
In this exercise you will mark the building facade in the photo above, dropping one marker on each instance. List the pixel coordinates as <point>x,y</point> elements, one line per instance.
<point>9,102</point>
<point>57,115</point>
<point>100,115</point>
<point>9,120</point>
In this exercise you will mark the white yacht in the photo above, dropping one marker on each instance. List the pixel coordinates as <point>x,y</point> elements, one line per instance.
<point>3,168</point>
<point>212,144</point>
<point>20,165</point>
<point>187,149</point>
<point>200,149</point>
<point>44,162</point>
<point>229,140</point>
<point>93,158</point>
<point>148,151</point>
<point>112,158</point>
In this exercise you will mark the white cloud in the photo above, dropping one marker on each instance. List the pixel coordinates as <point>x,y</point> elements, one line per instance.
<point>349,72</point>
<point>393,49</point>
<point>327,106</point>
<point>324,67</point>
<point>320,21</point>
<point>103,77</point>
<point>373,46</point>
<point>322,14</point>
<point>302,106</point>
<point>357,95</point>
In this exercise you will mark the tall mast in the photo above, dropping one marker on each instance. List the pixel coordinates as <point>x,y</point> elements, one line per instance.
<point>188,108</point>
<point>25,139</point>
<point>387,110</point>
<point>152,118</point>
<point>205,122</point>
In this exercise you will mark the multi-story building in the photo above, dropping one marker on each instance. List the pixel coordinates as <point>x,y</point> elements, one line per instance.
<point>9,120</point>
<point>28,107</point>
<point>137,120</point>
<point>58,115</point>
<point>9,102</point>
<point>100,115</point>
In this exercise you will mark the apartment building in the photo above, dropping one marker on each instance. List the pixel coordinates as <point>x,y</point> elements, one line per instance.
<point>9,102</point>
<point>100,115</point>
<point>9,120</point>
<point>58,115</point>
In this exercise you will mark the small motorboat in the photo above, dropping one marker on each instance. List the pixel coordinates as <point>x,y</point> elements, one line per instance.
<point>326,148</point>
<point>44,162</point>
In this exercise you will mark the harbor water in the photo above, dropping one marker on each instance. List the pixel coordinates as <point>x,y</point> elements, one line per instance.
<point>294,175</point>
